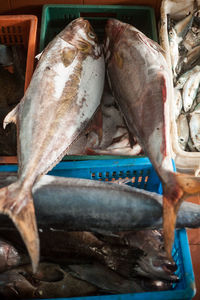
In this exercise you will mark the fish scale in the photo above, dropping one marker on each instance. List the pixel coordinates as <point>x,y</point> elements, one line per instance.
<point>63,95</point>
<point>139,77</point>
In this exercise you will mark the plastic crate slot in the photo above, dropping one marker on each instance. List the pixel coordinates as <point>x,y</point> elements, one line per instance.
<point>97,15</point>
<point>19,29</point>
<point>8,29</point>
<point>21,39</point>
<point>107,174</point>
<point>100,174</point>
<point>13,29</point>
<point>114,174</point>
<point>3,29</point>
<point>120,173</point>
<point>5,39</point>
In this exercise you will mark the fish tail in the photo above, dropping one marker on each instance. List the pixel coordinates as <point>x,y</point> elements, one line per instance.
<point>19,206</point>
<point>178,188</point>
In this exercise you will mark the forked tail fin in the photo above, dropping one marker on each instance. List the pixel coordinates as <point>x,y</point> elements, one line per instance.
<point>18,205</point>
<point>177,189</point>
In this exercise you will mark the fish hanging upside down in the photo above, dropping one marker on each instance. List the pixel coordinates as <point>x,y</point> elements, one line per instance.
<point>63,95</point>
<point>139,78</point>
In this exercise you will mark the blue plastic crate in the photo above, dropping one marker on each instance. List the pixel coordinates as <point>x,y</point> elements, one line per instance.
<point>143,175</point>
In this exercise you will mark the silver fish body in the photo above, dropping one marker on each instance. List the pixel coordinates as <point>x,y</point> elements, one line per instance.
<point>139,78</point>
<point>190,90</point>
<point>191,40</point>
<point>182,130</point>
<point>96,206</point>
<point>174,41</point>
<point>178,102</point>
<point>184,77</point>
<point>194,125</point>
<point>62,97</point>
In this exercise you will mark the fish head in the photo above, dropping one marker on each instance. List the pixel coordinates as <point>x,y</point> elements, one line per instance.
<point>83,37</point>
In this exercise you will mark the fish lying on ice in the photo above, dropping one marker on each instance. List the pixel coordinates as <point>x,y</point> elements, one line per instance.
<point>140,81</point>
<point>62,97</point>
<point>96,206</point>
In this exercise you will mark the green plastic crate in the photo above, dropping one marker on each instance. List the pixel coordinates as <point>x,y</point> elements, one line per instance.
<point>56,16</point>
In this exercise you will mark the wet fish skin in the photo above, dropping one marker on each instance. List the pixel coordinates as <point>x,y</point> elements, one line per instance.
<point>182,26</point>
<point>147,112</point>
<point>178,102</point>
<point>100,201</point>
<point>182,131</point>
<point>9,256</point>
<point>183,78</point>
<point>191,40</point>
<point>174,49</point>
<point>191,59</point>
<point>104,278</point>
<point>69,77</point>
<point>194,125</point>
<point>190,90</point>
<point>49,281</point>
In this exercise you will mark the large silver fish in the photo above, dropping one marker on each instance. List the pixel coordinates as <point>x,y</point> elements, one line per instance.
<point>139,78</point>
<point>63,95</point>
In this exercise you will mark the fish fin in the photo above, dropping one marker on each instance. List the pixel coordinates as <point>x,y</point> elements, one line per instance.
<point>169,223</point>
<point>189,184</point>
<point>20,208</point>
<point>179,187</point>
<point>11,117</point>
<point>38,55</point>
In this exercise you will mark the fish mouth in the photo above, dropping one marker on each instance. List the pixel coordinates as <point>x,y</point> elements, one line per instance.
<point>114,28</point>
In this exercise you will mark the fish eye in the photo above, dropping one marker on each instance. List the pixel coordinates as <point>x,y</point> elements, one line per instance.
<point>91,35</point>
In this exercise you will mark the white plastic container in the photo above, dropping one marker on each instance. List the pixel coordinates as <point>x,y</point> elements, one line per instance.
<point>177,9</point>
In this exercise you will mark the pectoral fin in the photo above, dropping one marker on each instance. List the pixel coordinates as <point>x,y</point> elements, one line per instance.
<point>11,117</point>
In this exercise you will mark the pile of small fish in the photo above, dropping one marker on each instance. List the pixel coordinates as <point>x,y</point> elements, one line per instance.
<point>58,106</point>
<point>81,264</point>
<point>184,42</point>
<point>12,78</point>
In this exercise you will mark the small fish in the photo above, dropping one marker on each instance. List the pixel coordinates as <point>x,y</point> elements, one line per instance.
<point>178,102</point>
<point>194,105</point>
<point>183,78</point>
<point>62,97</point>
<point>174,41</point>
<point>190,90</point>
<point>184,25</point>
<point>197,108</point>
<point>140,81</point>
<point>191,40</point>
<point>194,125</point>
<point>182,131</point>
<point>191,59</point>
<point>198,97</point>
